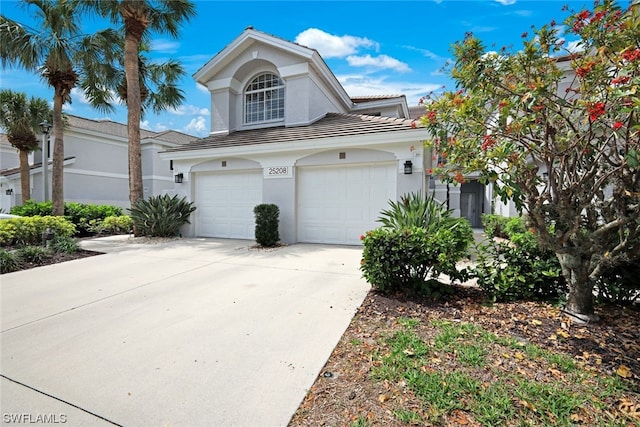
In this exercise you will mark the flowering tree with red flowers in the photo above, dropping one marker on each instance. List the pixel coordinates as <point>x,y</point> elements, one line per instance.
<point>556,133</point>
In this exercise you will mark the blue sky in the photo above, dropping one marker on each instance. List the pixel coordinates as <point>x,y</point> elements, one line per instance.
<point>373,47</point>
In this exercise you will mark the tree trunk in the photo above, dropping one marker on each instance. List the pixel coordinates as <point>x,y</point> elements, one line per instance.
<point>580,298</point>
<point>25,178</point>
<point>57,173</point>
<point>134,29</point>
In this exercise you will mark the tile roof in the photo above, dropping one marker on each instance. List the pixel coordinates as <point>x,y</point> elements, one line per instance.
<point>11,171</point>
<point>369,98</point>
<point>417,111</point>
<point>332,125</point>
<point>109,127</point>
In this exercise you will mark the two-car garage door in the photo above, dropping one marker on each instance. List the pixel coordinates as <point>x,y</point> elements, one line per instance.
<point>338,204</point>
<point>333,204</point>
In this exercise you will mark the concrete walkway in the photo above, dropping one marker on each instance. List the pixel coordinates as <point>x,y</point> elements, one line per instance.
<point>192,332</point>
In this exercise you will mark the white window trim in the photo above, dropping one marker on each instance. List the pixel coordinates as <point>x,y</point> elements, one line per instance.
<point>246,92</point>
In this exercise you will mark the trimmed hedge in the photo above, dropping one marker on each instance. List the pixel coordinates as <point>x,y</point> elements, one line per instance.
<point>83,215</point>
<point>402,259</point>
<point>28,230</point>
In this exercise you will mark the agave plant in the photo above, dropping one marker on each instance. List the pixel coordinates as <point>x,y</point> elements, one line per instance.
<point>415,210</point>
<point>161,216</point>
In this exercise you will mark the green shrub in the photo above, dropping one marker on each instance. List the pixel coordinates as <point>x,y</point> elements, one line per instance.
<point>33,208</point>
<point>402,259</point>
<point>28,230</point>
<point>414,210</point>
<point>161,216</point>
<point>8,262</point>
<point>80,214</point>
<point>619,284</point>
<point>122,224</point>
<point>518,269</point>
<point>33,254</point>
<point>267,224</point>
<point>515,225</point>
<point>502,226</point>
<point>64,244</point>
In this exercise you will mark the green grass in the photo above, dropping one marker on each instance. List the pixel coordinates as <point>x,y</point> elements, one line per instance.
<point>461,366</point>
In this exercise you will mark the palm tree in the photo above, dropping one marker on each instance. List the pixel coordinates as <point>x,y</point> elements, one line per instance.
<point>50,50</point>
<point>139,18</point>
<point>20,117</point>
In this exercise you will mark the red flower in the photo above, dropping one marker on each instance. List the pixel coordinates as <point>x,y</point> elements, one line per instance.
<point>459,178</point>
<point>584,14</point>
<point>488,142</point>
<point>585,69</point>
<point>631,55</point>
<point>362,237</point>
<point>413,125</point>
<point>617,125</point>
<point>596,110</point>
<point>430,116</point>
<point>621,80</point>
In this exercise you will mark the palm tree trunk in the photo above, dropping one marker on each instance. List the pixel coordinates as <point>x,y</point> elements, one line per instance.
<point>25,178</point>
<point>133,117</point>
<point>57,174</point>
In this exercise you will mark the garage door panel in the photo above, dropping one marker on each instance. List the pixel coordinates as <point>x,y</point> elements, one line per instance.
<point>338,204</point>
<point>225,202</point>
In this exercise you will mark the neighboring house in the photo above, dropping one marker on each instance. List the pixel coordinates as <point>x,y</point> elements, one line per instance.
<point>471,198</point>
<point>467,200</point>
<point>284,131</point>
<point>96,164</point>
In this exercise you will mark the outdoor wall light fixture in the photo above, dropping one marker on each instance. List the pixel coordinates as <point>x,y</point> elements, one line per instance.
<point>545,176</point>
<point>408,167</point>
<point>45,128</point>
<point>178,178</point>
<point>9,192</point>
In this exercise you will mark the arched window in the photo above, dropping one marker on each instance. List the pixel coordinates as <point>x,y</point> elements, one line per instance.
<point>264,99</point>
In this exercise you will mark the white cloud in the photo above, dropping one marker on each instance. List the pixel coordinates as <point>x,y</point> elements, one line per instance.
<point>156,127</point>
<point>165,46</point>
<point>197,126</point>
<point>379,62</point>
<point>575,46</point>
<point>506,2</point>
<point>189,110</point>
<point>360,85</point>
<point>332,46</point>
<point>77,95</point>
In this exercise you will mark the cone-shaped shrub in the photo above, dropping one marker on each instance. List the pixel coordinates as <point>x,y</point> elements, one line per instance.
<point>267,224</point>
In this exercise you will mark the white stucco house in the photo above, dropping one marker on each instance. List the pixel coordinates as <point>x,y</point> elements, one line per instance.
<point>96,164</point>
<point>284,131</point>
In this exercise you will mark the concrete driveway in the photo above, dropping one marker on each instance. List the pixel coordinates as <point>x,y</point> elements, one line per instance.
<point>193,332</point>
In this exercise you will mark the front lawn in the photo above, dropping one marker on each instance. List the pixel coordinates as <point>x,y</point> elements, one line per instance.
<point>465,363</point>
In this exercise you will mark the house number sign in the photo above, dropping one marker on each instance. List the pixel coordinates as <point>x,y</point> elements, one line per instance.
<point>278,172</point>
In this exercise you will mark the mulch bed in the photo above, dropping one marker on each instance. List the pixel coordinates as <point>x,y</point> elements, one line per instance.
<point>345,391</point>
<point>58,258</point>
